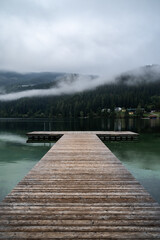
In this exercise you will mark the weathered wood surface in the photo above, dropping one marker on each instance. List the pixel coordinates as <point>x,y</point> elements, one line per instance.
<point>79,190</point>
<point>86,132</point>
<point>103,133</point>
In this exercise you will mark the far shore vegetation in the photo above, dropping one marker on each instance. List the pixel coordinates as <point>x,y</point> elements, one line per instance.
<point>113,100</point>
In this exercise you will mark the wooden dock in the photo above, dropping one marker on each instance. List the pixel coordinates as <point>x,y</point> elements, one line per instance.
<point>79,190</point>
<point>103,135</point>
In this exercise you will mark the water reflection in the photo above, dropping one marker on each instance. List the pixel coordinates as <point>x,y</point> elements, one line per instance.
<point>142,159</point>
<point>25,125</point>
<point>9,137</point>
<point>16,159</point>
<point>18,139</point>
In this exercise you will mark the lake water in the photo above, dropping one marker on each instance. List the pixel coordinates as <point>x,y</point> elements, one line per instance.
<point>142,158</point>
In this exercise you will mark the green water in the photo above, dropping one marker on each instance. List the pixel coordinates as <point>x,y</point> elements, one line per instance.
<point>142,159</point>
<point>17,157</point>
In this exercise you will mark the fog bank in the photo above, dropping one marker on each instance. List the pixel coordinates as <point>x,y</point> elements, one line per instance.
<point>68,86</point>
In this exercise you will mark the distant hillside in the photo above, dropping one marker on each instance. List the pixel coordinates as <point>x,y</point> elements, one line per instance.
<point>13,81</point>
<point>140,87</point>
<point>143,75</point>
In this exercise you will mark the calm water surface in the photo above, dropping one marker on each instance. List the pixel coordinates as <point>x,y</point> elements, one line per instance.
<point>142,158</point>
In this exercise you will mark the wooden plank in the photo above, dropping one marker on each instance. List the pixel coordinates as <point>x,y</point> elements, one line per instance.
<point>79,190</point>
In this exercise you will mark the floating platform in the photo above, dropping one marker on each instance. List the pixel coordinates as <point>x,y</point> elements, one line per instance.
<point>103,135</point>
<point>79,190</point>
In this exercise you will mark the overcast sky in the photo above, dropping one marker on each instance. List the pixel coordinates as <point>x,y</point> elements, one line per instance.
<point>83,36</point>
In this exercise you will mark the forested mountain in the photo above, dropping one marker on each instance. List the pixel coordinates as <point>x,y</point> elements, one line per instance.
<point>13,81</point>
<point>130,90</point>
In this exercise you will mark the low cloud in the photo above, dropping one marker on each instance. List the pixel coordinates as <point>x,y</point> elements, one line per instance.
<point>74,83</point>
<point>83,36</point>
<point>68,86</point>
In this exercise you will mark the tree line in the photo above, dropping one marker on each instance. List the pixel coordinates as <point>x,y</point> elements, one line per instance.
<point>87,104</point>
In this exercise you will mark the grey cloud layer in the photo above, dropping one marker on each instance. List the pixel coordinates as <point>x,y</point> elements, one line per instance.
<point>70,85</point>
<point>81,83</point>
<point>84,36</point>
